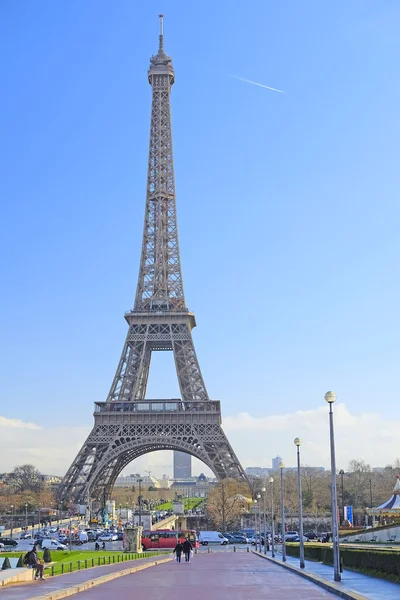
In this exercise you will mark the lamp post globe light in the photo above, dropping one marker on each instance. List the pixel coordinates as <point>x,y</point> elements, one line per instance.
<point>330,397</point>
<point>264,494</point>
<point>271,482</point>
<point>259,521</point>
<point>297,443</point>
<point>283,527</point>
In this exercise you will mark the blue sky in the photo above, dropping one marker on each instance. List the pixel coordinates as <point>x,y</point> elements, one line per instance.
<point>288,205</point>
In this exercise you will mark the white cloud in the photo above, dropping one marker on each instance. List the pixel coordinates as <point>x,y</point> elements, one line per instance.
<point>367,436</point>
<point>51,450</point>
<point>16,424</point>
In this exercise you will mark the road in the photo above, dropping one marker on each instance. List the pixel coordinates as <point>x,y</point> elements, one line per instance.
<point>215,576</point>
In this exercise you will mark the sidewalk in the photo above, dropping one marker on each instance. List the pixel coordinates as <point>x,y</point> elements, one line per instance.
<point>369,587</point>
<point>214,576</point>
<point>51,584</point>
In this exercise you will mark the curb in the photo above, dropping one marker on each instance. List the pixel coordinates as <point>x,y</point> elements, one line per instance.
<point>86,585</point>
<point>332,587</point>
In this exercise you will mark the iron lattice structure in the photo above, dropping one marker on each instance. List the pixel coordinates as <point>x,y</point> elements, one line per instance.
<point>126,425</point>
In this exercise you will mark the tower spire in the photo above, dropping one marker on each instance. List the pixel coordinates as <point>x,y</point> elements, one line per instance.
<point>161,37</point>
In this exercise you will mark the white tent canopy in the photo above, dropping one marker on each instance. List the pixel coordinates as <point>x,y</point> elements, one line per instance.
<point>391,506</point>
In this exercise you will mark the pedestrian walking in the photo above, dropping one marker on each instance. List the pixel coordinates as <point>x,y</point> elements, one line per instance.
<point>187,548</point>
<point>178,551</point>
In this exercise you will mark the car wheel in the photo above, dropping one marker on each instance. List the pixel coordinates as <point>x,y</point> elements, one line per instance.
<point>204,543</point>
<point>224,543</point>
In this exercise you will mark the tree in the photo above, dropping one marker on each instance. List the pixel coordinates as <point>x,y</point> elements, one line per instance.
<point>359,475</point>
<point>47,555</point>
<point>227,502</point>
<point>6,564</point>
<point>26,478</point>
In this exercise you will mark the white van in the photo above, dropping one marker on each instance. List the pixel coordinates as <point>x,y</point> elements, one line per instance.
<point>212,537</point>
<point>53,545</point>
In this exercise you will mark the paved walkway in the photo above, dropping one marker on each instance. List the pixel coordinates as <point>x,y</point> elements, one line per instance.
<point>51,584</point>
<point>216,576</point>
<point>370,587</point>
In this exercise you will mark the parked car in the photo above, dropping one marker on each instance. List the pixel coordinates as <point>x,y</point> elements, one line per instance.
<point>25,536</point>
<point>296,538</point>
<point>8,541</point>
<point>52,545</point>
<point>237,539</point>
<point>108,537</point>
<point>311,535</point>
<point>212,537</point>
<point>120,535</point>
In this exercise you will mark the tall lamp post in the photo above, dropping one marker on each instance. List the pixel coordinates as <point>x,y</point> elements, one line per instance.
<point>40,516</point>
<point>297,442</point>
<point>370,497</point>
<point>341,473</point>
<point>330,397</point>
<point>26,516</point>
<point>259,521</point>
<point>12,520</point>
<point>271,482</point>
<point>255,521</point>
<point>140,501</point>
<point>264,495</point>
<point>283,527</point>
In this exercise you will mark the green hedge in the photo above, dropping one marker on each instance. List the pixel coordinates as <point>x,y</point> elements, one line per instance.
<point>368,558</point>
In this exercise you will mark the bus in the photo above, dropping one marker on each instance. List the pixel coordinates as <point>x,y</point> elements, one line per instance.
<point>167,538</point>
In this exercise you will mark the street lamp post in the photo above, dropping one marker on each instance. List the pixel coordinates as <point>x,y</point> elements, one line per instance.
<point>140,501</point>
<point>283,527</point>
<point>39,516</point>
<point>370,497</point>
<point>297,442</point>
<point>255,522</point>
<point>12,520</point>
<point>70,525</point>
<point>264,494</point>
<point>341,473</point>
<point>330,397</point>
<point>259,521</point>
<point>26,516</point>
<point>271,481</point>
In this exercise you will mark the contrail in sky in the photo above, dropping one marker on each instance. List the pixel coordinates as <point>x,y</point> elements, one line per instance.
<point>256,83</point>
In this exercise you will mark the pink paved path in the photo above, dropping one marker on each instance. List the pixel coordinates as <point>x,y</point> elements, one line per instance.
<point>52,584</point>
<point>234,576</point>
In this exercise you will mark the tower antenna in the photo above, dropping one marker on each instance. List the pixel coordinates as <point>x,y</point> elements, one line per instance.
<point>161,44</point>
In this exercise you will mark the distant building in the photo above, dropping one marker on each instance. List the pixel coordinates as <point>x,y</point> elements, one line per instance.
<point>133,481</point>
<point>182,465</point>
<point>196,487</point>
<point>276,462</point>
<point>257,471</point>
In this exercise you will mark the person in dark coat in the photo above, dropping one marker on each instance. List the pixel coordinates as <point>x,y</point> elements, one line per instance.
<point>35,563</point>
<point>187,548</point>
<point>178,551</point>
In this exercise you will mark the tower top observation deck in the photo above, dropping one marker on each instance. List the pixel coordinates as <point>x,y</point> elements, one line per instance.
<point>160,63</point>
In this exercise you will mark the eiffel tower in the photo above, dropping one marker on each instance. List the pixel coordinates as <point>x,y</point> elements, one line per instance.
<point>126,424</point>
